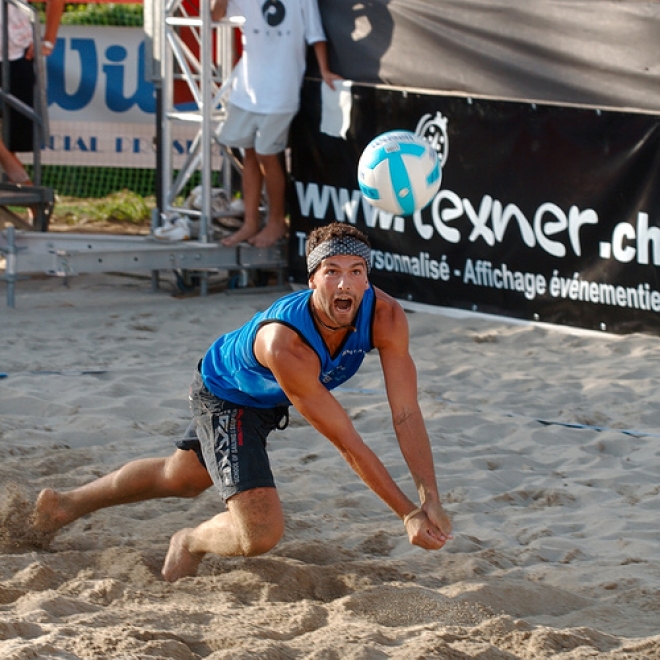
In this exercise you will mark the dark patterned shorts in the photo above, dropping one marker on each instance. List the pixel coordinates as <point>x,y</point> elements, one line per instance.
<point>230,440</point>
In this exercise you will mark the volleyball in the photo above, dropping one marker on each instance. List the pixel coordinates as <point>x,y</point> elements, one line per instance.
<point>399,172</point>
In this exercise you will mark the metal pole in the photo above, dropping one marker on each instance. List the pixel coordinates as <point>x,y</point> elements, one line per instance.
<point>206,60</point>
<point>165,105</point>
<point>5,67</point>
<point>10,268</point>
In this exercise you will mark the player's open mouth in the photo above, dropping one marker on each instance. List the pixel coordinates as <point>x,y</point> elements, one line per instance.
<point>343,304</point>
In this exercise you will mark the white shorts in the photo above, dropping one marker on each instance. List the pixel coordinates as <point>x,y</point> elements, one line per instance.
<point>266,134</point>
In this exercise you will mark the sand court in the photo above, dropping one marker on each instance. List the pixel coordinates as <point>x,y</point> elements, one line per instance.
<point>547,445</point>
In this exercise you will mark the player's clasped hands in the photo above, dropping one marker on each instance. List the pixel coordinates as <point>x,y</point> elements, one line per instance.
<point>429,528</point>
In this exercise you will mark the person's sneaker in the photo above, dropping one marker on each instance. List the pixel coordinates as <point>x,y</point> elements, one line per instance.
<point>162,231</point>
<point>181,231</point>
<point>177,229</point>
<point>219,200</point>
<point>237,206</point>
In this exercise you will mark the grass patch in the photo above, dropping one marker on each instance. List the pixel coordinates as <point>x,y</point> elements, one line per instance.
<point>124,207</point>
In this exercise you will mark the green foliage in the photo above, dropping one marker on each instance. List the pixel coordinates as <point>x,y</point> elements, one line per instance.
<point>105,14</point>
<point>124,207</point>
<point>98,14</point>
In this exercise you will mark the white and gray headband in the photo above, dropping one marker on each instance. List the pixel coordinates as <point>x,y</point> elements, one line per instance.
<point>346,245</point>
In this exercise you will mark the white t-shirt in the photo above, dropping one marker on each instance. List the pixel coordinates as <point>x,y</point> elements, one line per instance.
<point>276,33</point>
<point>20,33</point>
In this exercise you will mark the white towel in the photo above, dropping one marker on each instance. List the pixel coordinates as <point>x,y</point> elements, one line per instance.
<point>336,108</point>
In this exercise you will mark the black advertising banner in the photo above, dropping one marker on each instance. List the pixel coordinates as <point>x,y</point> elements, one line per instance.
<point>544,212</point>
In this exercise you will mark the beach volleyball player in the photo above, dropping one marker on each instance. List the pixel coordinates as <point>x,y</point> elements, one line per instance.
<point>293,353</point>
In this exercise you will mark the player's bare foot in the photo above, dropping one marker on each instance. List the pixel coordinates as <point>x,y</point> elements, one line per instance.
<point>245,233</point>
<point>50,512</point>
<point>269,235</point>
<point>180,562</point>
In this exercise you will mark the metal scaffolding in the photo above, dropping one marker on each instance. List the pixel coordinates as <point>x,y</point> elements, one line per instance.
<point>193,71</point>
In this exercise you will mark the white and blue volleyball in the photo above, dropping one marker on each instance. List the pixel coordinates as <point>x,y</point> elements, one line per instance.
<point>399,172</point>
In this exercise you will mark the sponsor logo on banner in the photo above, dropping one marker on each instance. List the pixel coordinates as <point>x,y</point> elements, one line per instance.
<point>433,128</point>
<point>102,109</point>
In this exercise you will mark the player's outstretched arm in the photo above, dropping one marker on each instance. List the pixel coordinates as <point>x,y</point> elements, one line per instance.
<point>392,340</point>
<point>296,368</point>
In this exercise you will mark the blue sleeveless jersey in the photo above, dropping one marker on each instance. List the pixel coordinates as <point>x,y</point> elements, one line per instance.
<point>230,369</point>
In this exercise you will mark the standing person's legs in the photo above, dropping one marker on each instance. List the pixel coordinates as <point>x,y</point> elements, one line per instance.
<point>275,190</point>
<point>252,184</point>
<point>263,137</point>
